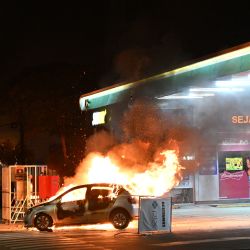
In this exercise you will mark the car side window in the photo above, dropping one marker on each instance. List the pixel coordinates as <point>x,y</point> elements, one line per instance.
<point>99,197</point>
<point>75,195</point>
<point>72,204</point>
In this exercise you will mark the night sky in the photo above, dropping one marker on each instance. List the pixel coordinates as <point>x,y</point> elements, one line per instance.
<point>91,35</point>
<point>52,52</point>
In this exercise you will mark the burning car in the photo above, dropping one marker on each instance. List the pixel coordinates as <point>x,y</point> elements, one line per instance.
<point>85,204</point>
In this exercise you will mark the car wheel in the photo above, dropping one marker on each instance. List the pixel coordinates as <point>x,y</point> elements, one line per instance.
<point>120,219</point>
<point>43,222</point>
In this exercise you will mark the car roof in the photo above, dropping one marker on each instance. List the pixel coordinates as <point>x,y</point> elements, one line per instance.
<point>99,184</point>
<point>91,185</point>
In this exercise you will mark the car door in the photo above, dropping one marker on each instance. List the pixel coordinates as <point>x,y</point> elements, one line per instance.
<point>99,203</point>
<point>71,207</point>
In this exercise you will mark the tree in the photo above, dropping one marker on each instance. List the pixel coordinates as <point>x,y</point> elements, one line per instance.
<point>8,153</point>
<point>44,101</point>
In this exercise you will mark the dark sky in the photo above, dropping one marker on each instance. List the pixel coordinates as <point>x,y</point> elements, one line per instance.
<point>52,52</point>
<point>92,34</point>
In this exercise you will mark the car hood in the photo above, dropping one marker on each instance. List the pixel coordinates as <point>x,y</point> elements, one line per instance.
<point>42,204</point>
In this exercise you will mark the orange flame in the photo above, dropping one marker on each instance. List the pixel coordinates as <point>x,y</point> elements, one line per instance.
<point>102,170</point>
<point>157,180</point>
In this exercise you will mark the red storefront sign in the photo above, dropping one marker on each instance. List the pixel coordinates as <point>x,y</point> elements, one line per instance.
<point>234,185</point>
<point>48,186</point>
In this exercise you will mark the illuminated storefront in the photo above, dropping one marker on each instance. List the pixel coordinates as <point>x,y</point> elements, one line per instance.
<point>212,95</point>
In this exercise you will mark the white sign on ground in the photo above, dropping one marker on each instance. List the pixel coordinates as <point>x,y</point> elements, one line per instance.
<point>155,214</point>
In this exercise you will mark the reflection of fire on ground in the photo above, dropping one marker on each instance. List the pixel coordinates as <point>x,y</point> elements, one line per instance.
<point>133,225</point>
<point>105,226</point>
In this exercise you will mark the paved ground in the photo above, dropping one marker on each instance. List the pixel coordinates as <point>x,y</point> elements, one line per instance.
<point>181,215</point>
<point>203,227</point>
<point>211,217</point>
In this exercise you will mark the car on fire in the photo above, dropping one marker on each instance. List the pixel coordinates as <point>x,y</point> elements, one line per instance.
<point>85,204</point>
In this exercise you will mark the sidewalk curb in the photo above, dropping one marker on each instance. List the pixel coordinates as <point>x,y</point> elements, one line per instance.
<point>222,205</point>
<point>231,205</point>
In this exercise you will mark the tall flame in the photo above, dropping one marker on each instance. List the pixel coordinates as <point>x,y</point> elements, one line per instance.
<point>158,179</point>
<point>102,170</point>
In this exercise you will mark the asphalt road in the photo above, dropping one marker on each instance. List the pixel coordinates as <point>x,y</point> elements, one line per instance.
<point>193,227</point>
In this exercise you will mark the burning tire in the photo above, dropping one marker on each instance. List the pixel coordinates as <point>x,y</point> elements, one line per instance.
<point>120,218</point>
<point>43,222</point>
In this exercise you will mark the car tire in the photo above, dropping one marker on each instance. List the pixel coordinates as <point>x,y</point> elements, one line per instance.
<point>120,218</point>
<point>43,222</point>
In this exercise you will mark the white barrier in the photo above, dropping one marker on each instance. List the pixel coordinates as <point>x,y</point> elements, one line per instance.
<point>155,214</point>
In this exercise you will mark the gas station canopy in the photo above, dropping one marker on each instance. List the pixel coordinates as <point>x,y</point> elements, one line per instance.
<point>206,72</point>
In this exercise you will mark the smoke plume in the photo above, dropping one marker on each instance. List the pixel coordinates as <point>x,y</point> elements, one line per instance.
<point>146,133</point>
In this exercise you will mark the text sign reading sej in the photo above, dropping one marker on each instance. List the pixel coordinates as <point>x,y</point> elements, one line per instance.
<point>155,215</point>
